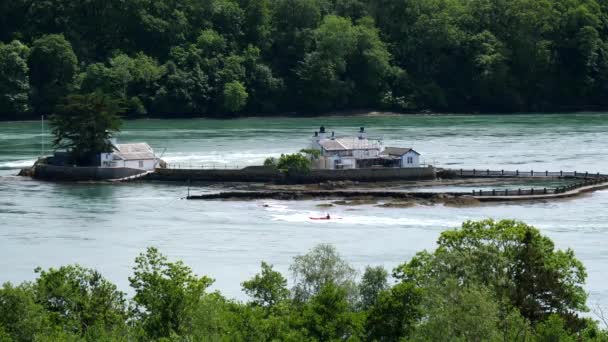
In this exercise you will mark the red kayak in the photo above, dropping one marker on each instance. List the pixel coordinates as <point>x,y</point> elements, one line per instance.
<point>325,218</point>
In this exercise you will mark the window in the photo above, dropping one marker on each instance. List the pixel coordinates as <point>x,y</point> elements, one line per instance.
<point>410,160</point>
<point>141,163</point>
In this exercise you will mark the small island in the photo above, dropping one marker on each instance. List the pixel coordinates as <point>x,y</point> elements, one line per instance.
<point>351,169</point>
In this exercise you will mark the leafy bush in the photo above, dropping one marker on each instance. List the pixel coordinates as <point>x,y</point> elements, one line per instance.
<point>294,163</point>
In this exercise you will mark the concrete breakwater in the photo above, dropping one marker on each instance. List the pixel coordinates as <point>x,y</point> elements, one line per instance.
<point>443,196</point>
<point>265,174</point>
<point>78,174</point>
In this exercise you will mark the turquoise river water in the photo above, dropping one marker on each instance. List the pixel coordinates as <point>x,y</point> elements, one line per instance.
<point>106,226</point>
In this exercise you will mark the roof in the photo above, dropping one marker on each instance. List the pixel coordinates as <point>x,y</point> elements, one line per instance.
<point>397,151</point>
<point>349,143</point>
<point>138,151</point>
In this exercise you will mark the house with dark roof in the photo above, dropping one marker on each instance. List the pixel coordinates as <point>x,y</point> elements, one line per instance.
<point>404,157</point>
<point>360,151</point>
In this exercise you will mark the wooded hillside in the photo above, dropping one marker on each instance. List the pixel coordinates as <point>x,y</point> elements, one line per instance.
<point>175,58</point>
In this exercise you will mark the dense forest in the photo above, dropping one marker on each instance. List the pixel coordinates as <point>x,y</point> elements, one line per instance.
<point>222,58</point>
<point>487,281</point>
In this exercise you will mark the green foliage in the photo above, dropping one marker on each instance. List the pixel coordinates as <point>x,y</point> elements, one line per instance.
<point>267,288</point>
<point>512,259</point>
<point>235,96</point>
<point>313,153</point>
<point>327,316</point>
<point>21,317</point>
<point>166,294</point>
<point>395,313</point>
<point>53,66</point>
<point>452,294</point>
<point>452,312</point>
<point>320,266</point>
<point>14,80</point>
<point>553,329</point>
<point>78,299</point>
<point>271,162</point>
<point>84,125</point>
<point>310,55</point>
<point>294,163</point>
<point>373,281</point>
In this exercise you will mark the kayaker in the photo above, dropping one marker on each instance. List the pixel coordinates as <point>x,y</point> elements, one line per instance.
<point>328,217</point>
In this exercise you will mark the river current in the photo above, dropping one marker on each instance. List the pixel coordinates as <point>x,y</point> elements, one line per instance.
<point>105,226</point>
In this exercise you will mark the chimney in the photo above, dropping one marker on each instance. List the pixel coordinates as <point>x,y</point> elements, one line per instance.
<point>362,134</point>
<point>322,135</point>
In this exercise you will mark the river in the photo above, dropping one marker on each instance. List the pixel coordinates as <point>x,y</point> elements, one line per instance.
<point>106,226</point>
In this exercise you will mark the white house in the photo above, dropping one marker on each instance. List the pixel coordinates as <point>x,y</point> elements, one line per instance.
<point>406,157</point>
<point>359,151</point>
<point>344,152</point>
<point>134,156</point>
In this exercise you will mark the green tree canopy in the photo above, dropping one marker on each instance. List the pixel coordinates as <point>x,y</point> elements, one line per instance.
<point>320,266</point>
<point>53,66</point>
<point>520,266</point>
<point>78,299</point>
<point>235,96</point>
<point>166,294</point>
<point>293,163</point>
<point>84,125</point>
<point>14,80</point>
<point>267,288</point>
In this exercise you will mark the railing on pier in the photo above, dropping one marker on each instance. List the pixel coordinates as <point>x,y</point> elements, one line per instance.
<point>203,166</point>
<point>543,191</point>
<point>524,173</point>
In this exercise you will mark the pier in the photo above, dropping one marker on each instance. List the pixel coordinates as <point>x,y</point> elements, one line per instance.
<point>585,182</point>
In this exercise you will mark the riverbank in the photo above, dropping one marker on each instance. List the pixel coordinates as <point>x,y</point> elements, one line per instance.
<point>363,113</point>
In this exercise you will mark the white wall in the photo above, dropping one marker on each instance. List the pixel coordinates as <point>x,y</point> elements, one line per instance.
<point>349,163</point>
<point>415,158</point>
<point>107,160</point>
<point>146,164</point>
<point>360,154</point>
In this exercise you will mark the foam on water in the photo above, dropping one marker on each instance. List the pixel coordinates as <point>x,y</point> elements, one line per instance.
<point>16,164</point>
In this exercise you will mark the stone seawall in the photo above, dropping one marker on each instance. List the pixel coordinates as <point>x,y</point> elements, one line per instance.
<point>77,174</point>
<point>263,174</point>
<point>248,174</point>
